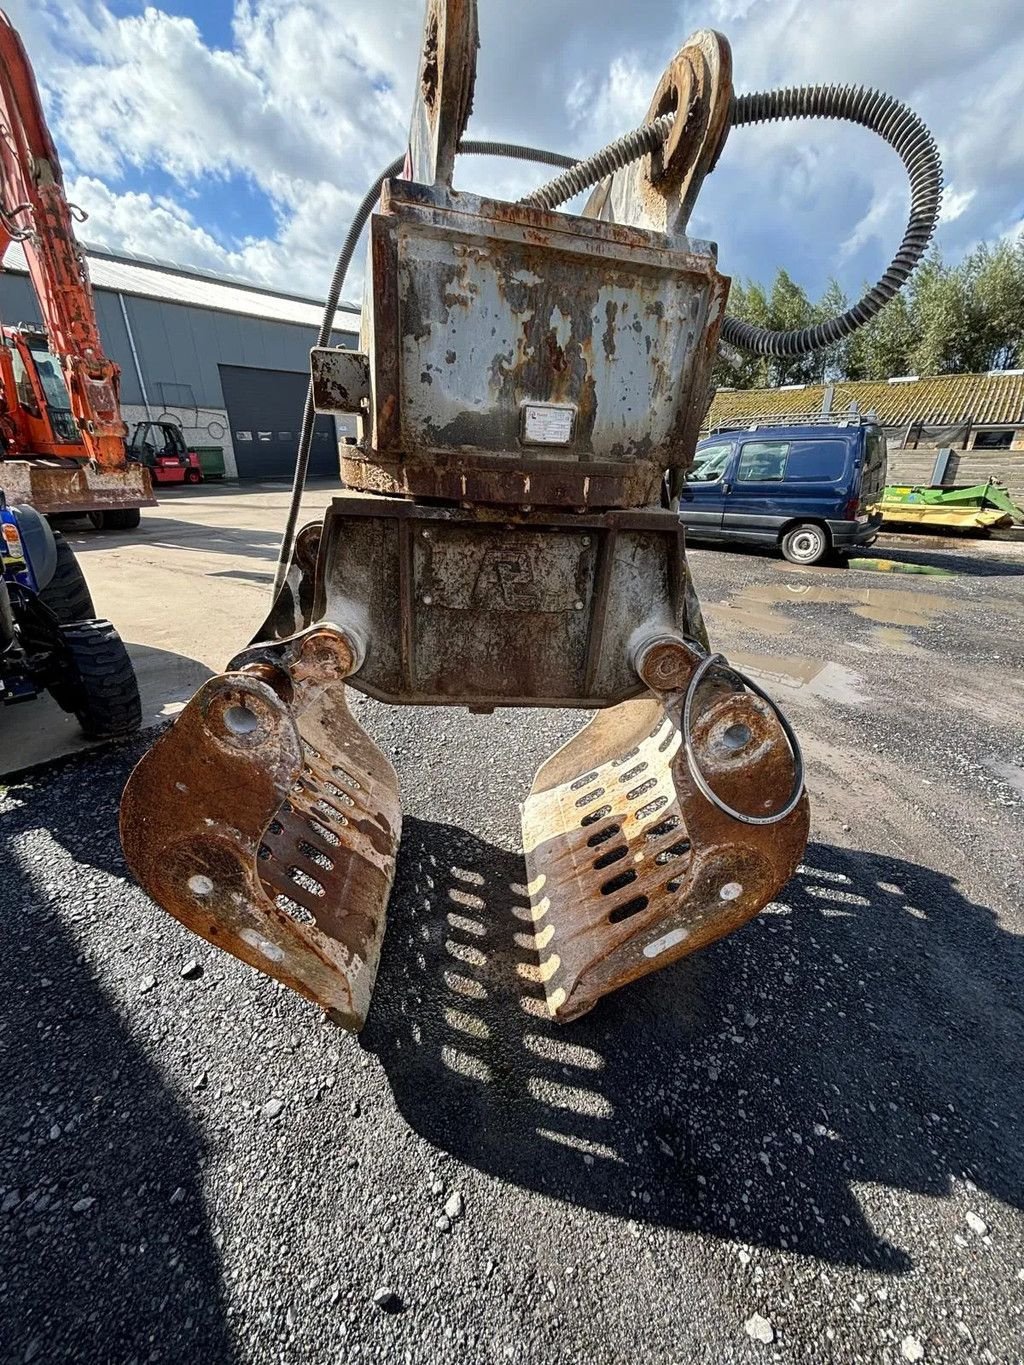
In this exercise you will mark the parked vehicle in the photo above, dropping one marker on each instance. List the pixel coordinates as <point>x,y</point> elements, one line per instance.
<point>161,447</point>
<point>50,637</point>
<point>809,489</point>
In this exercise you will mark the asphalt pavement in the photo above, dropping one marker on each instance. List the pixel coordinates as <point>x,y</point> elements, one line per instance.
<point>802,1144</point>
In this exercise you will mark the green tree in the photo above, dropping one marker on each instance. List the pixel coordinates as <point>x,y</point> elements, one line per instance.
<point>941,315</point>
<point>994,280</point>
<point>737,369</point>
<point>832,362</point>
<point>790,310</point>
<point>963,318</point>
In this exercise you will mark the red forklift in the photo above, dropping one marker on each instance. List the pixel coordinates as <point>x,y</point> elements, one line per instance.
<point>161,448</point>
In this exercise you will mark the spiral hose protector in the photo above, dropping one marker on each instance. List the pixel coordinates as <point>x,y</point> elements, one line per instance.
<point>618,154</point>
<point>915,146</point>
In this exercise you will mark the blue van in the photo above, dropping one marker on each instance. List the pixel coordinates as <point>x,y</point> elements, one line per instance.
<point>805,488</point>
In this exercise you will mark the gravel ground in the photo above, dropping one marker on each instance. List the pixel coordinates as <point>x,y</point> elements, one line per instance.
<point>803,1144</point>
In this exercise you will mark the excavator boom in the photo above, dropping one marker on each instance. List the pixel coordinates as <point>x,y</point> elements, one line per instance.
<point>35,212</point>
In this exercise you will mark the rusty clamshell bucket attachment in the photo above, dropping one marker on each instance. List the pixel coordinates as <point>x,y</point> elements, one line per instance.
<point>525,379</point>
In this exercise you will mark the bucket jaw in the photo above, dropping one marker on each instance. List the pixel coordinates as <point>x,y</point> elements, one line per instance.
<point>267,821</point>
<point>663,825</point>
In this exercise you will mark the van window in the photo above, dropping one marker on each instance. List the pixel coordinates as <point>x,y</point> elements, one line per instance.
<point>823,461</point>
<point>763,460</point>
<point>709,463</point>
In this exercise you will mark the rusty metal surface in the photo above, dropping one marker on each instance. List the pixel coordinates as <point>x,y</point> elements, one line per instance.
<point>341,379</point>
<point>483,610</point>
<point>85,488</point>
<point>630,867</point>
<point>292,610</point>
<point>267,821</point>
<point>444,89</point>
<point>660,190</point>
<point>486,314</point>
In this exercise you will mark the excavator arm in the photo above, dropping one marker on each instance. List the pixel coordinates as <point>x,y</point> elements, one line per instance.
<point>34,211</point>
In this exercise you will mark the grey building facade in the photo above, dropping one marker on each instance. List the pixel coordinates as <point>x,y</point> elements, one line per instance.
<point>226,361</point>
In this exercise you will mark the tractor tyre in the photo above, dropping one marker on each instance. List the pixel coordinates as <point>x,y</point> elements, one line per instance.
<point>67,593</point>
<point>98,685</point>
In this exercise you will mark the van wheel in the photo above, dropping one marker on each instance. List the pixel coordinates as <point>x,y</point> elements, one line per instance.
<point>805,544</point>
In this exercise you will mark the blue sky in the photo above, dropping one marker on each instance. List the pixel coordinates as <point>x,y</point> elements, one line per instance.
<point>238,135</point>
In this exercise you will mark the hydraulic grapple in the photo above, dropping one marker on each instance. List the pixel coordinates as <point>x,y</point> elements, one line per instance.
<point>525,380</point>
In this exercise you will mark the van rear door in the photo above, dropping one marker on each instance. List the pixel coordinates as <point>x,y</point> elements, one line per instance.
<point>876,468</point>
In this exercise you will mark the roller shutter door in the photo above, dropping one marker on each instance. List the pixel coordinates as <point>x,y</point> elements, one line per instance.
<point>264,416</point>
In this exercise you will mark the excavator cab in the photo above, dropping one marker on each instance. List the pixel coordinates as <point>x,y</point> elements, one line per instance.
<point>524,380</point>
<point>33,375</point>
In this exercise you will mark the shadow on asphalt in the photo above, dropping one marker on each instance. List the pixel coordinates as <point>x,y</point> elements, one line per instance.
<point>135,1275</point>
<point>245,541</point>
<point>863,1032</point>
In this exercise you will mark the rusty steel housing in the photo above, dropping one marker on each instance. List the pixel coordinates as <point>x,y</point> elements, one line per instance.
<point>525,379</point>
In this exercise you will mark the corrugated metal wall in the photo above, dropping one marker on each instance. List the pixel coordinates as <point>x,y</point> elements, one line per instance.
<point>179,346</point>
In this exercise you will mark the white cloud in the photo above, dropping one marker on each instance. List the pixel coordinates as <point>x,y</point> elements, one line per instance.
<point>955,203</point>
<point>313,97</point>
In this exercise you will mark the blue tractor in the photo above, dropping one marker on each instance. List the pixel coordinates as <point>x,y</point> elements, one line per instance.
<point>50,637</point>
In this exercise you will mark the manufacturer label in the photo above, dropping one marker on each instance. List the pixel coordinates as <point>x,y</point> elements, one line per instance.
<point>548,424</point>
<point>504,572</point>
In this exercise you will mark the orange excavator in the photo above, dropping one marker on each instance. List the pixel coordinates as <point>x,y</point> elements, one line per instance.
<point>62,438</point>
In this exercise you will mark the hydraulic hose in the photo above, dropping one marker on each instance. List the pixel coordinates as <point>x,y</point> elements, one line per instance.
<point>915,146</point>
<point>581,175</point>
<point>882,114</point>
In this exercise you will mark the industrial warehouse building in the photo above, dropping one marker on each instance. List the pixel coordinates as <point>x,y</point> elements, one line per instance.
<point>226,360</point>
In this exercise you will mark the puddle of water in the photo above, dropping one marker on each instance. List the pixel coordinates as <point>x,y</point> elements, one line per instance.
<point>887,606</point>
<point>1009,773</point>
<point>750,617</point>
<point>888,640</point>
<point>797,673</point>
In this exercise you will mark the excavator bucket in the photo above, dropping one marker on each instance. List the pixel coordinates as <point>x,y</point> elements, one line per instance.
<point>663,825</point>
<point>267,821</point>
<point>525,379</point>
